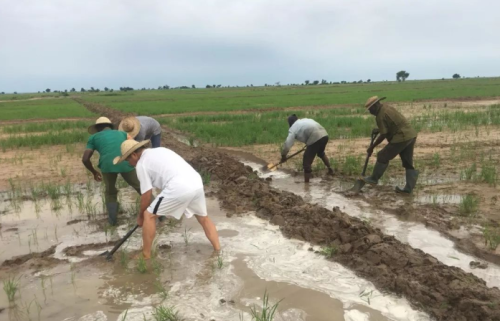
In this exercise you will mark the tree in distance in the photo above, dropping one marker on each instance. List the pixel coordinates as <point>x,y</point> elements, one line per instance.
<point>402,75</point>
<point>456,76</point>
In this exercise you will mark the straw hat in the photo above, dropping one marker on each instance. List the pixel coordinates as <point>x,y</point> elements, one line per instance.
<point>128,147</point>
<point>372,101</point>
<point>101,120</point>
<point>130,125</point>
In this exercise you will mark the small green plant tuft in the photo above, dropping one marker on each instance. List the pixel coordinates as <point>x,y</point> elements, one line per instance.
<point>329,251</point>
<point>268,311</point>
<point>163,313</point>
<point>469,205</point>
<point>141,265</point>
<point>491,237</point>
<point>11,286</point>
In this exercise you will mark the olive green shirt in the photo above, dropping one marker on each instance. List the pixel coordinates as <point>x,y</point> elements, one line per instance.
<point>108,144</point>
<point>390,122</point>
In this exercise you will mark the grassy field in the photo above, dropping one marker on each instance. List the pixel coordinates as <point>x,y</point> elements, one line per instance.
<point>42,109</point>
<point>231,99</point>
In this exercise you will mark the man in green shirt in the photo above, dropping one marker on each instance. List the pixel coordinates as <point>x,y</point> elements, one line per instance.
<point>401,137</point>
<point>107,143</point>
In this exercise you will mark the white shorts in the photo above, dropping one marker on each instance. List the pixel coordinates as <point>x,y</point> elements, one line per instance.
<point>191,203</point>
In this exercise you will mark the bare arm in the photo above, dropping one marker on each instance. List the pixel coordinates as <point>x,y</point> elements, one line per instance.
<point>87,154</point>
<point>145,202</point>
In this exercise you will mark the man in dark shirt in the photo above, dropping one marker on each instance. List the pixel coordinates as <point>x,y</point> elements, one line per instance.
<point>394,127</point>
<point>107,142</point>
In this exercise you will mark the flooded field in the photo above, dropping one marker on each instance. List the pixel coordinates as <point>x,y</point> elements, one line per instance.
<point>313,252</point>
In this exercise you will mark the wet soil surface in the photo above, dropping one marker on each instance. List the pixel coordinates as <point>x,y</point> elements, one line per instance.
<point>446,293</point>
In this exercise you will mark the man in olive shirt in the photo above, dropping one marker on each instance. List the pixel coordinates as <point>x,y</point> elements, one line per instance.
<point>107,143</point>
<point>401,137</point>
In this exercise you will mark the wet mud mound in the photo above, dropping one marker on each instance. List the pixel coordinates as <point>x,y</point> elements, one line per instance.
<point>33,260</point>
<point>78,250</point>
<point>446,293</point>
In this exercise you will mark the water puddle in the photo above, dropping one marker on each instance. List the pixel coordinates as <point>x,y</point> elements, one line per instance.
<point>186,275</point>
<point>412,233</point>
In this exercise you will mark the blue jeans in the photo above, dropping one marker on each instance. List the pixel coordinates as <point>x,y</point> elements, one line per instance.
<point>155,141</point>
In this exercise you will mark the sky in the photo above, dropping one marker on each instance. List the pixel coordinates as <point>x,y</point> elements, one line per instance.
<point>60,44</point>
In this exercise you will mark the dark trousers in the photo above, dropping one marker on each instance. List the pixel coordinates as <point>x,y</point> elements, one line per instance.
<point>111,192</point>
<point>155,141</point>
<point>317,148</point>
<point>403,149</point>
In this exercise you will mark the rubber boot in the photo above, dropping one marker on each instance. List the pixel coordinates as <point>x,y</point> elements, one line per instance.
<point>112,213</point>
<point>377,173</point>
<point>411,181</point>
<point>326,161</point>
<point>307,177</point>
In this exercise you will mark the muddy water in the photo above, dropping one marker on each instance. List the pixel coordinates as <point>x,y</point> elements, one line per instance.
<point>256,258</point>
<point>323,192</point>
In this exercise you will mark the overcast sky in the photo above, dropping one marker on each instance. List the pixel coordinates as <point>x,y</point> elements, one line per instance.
<point>146,43</point>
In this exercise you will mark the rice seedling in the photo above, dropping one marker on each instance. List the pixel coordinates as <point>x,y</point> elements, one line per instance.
<point>38,308</point>
<point>491,237</point>
<point>11,286</point>
<point>186,236</point>
<point>161,290</point>
<point>366,295</point>
<point>469,205</point>
<point>329,251</point>
<point>488,173</point>
<point>267,311</point>
<point>163,313</point>
<point>73,278</point>
<point>220,262</point>
<point>436,160</point>
<point>141,265</point>
<point>81,203</point>
<point>55,233</point>
<point>124,259</point>
<point>351,165</point>
<point>42,281</point>
<point>124,316</point>
<point>469,173</point>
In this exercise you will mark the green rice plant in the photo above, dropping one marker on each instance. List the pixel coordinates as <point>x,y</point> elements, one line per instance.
<point>491,237</point>
<point>49,138</point>
<point>42,281</point>
<point>186,236</point>
<point>55,233</point>
<point>11,286</point>
<point>38,308</point>
<point>81,202</point>
<point>141,265</point>
<point>267,311</point>
<point>488,173</point>
<point>124,259</point>
<point>352,165</point>
<point>124,316</point>
<point>163,313</point>
<point>161,290</point>
<point>220,261</point>
<point>436,160</point>
<point>366,295</point>
<point>329,251</point>
<point>469,205</point>
<point>469,173</point>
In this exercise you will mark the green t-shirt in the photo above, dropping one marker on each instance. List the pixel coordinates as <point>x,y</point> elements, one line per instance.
<point>391,123</point>
<point>108,144</point>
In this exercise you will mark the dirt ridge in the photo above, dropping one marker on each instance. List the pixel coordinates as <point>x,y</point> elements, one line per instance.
<point>446,293</point>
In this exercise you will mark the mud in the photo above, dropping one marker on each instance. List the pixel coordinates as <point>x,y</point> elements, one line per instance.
<point>79,250</point>
<point>446,293</point>
<point>35,261</point>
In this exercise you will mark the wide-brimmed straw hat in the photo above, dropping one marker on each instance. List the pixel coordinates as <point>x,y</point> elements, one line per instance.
<point>128,147</point>
<point>372,101</point>
<point>130,125</point>
<point>101,120</point>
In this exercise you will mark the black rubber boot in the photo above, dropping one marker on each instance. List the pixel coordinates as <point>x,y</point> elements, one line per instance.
<point>377,173</point>
<point>411,181</point>
<point>112,213</point>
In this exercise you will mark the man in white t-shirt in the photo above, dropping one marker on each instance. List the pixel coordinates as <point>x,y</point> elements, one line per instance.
<point>181,190</point>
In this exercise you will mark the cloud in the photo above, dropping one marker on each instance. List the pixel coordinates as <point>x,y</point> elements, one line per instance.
<point>64,44</point>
